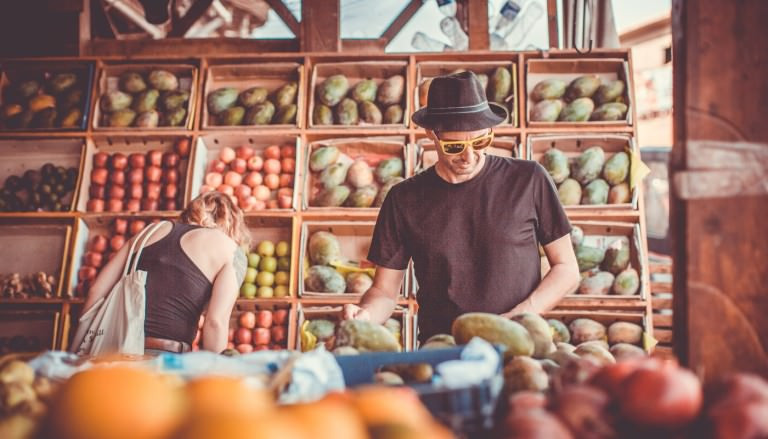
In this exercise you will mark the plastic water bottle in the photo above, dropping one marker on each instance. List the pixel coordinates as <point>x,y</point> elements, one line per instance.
<point>498,42</point>
<point>425,43</point>
<point>447,7</point>
<point>452,29</point>
<point>525,21</point>
<point>507,15</point>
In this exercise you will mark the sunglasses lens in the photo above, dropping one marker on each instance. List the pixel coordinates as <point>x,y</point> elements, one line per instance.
<point>453,148</point>
<point>482,143</point>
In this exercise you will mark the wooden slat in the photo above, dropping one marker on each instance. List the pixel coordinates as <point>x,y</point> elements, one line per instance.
<point>178,47</point>
<point>364,46</point>
<point>320,26</point>
<point>662,320</point>
<point>663,351</point>
<point>661,287</point>
<point>662,303</point>
<point>663,335</point>
<point>401,20</point>
<point>552,23</point>
<point>477,14</point>
<point>660,268</point>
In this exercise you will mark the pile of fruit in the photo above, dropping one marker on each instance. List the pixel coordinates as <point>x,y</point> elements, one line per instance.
<point>558,101</point>
<point>16,286</point>
<point>497,84</point>
<point>138,182</point>
<point>340,180</point>
<point>49,100</point>
<point>25,399</point>
<point>260,330</point>
<point>254,180</point>
<point>589,178</point>
<point>605,270</point>
<point>269,271</point>
<point>327,271</point>
<point>349,337</point>
<point>48,190</point>
<point>366,102</point>
<point>253,106</point>
<point>145,101</point>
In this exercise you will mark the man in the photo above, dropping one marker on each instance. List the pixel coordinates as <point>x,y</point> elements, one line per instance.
<point>472,223</point>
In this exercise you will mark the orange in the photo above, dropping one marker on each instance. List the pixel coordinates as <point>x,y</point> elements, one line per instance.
<point>214,395</point>
<point>328,418</point>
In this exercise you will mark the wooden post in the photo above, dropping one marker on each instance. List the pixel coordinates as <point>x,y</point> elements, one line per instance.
<point>320,26</point>
<point>718,207</point>
<point>477,14</point>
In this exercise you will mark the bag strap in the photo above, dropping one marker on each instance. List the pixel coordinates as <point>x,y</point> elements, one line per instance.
<point>144,236</point>
<point>133,247</point>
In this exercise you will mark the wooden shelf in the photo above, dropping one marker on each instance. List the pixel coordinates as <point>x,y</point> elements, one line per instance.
<point>38,215</point>
<point>40,300</point>
<point>263,300</point>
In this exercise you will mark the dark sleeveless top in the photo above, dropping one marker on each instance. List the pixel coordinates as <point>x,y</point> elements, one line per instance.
<point>177,291</point>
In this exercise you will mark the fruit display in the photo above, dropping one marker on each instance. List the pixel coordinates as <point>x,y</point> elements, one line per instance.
<point>377,99</point>
<point>25,399</point>
<point>349,337</point>
<point>255,179</point>
<point>36,99</point>
<point>269,271</point>
<point>39,284</point>
<point>138,181</point>
<point>328,271</point>
<point>144,98</point>
<point>348,177</point>
<point>49,189</point>
<point>260,329</point>
<point>587,98</point>
<point>253,105</point>
<point>605,263</point>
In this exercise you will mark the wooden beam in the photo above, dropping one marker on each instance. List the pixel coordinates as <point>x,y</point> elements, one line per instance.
<point>405,16</point>
<point>84,28</point>
<point>552,23</point>
<point>364,45</point>
<point>320,26</point>
<point>180,48</point>
<point>477,16</point>
<point>286,15</point>
<point>194,13</point>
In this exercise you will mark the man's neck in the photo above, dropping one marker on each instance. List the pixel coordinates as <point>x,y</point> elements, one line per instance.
<point>445,173</point>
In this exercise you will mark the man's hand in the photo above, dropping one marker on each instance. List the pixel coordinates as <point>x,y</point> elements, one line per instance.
<point>354,312</point>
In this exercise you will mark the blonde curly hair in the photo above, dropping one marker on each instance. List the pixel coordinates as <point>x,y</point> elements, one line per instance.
<point>215,209</point>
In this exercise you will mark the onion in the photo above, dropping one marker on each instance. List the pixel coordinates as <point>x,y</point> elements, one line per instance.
<point>584,410</point>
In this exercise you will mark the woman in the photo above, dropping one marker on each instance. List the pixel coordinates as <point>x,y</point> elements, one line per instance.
<point>192,264</point>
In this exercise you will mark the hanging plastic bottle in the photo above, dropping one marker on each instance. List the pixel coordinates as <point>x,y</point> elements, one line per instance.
<point>425,43</point>
<point>498,42</point>
<point>452,29</point>
<point>522,26</point>
<point>447,7</point>
<point>507,15</point>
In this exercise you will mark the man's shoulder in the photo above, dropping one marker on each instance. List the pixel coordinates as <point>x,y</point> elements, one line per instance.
<point>515,165</point>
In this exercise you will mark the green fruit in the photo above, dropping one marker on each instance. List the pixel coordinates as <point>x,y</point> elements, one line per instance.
<point>359,174</point>
<point>248,291</point>
<point>370,113</point>
<point>163,80</point>
<point>362,197</point>
<point>627,283</point>
<point>281,291</point>
<point>393,114</point>
<point>596,352</point>
<point>556,163</point>
<point>221,99</point>
<point>569,192</point>
<point>265,292</point>
<point>560,332</point>
<point>145,101</point>
<point>482,78</point>
<point>624,351</point>
<point>250,275</point>
<point>323,157</point>
<point>597,285</point>
<point>115,101</point>
<point>265,278</point>
<point>175,100</point>
<point>284,263</point>
<point>540,332</point>
<point>346,112</point>
<point>589,257</point>
<point>260,114</point>
<point>548,89</point>
<point>282,249</point>
<point>333,175</point>
<point>616,257</point>
<point>494,329</point>
<point>577,235</point>
<point>252,96</point>
<point>582,87</point>
<point>324,248</point>
<point>253,260</point>
<point>364,91</point>
<point>122,118</point>
<point>132,82</point>
<point>268,263</point>
<point>265,248</point>
<point>579,110</point>
<point>609,91</point>
<point>588,165</point>
<point>583,330</point>
<point>232,116</point>
<point>385,190</point>
<point>625,332</point>
<point>389,168</point>
<point>616,168</point>
<point>596,192</point>
<point>333,89</point>
<point>147,119</point>
<point>62,82</point>
<point>322,115</point>
<point>286,95</point>
<point>72,118</point>
<point>524,374</point>
<point>286,115</point>
<point>358,283</point>
<point>609,112</point>
<point>282,278</point>
<point>620,194</point>
<point>323,279</point>
<point>391,90</point>
<point>321,328</point>
<point>547,110</point>
<point>499,85</point>
<point>365,336</point>
<point>175,117</point>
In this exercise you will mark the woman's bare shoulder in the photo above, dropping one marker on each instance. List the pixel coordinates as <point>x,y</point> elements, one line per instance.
<point>215,238</point>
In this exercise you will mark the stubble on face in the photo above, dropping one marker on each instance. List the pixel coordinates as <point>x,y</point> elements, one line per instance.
<point>460,167</point>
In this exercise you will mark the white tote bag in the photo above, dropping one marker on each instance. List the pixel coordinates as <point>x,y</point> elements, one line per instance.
<point>115,323</point>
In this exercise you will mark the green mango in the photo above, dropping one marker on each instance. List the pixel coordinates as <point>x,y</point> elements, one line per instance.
<point>45,118</point>
<point>174,100</point>
<point>365,91</point>
<point>616,257</point>
<point>115,100</point>
<point>391,91</point>
<point>260,114</point>
<point>589,257</point>
<point>286,95</point>
<point>596,192</point>
<point>346,112</point>
<point>231,116</point>
<point>578,110</point>
<point>620,194</point>
<point>540,332</point>
<point>625,332</point>
<point>627,283</point>
<point>322,115</point>
<point>321,328</point>
<point>370,113</point>
<point>122,118</point>
<point>333,197</point>
<point>324,279</point>
<point>584,330</point>
<point>393,114</point>
<point>324,248</point>
<point>175,117</point>
<point>286,115</point>
<point>569,192</point>
<point>493,329</point>
<point>482,78</point>
<point>556,163</point>
<point>616,168</point>
<point>221,99</point>
<point>582,87</point>
<point>547,110</point>
<point>609,112</point>
<point>145,101</point>
<point>577,235</point>
<point>389,168</point>
<point>163,80</point>
<point>588,165</point>
<point>27,89</point>
<point>72,118</point>
<point>362,197</point>
<point>499,85</point>
<point>609,91</point>
<point>333,89</point>
<point>323,157</point>
<point>360,174</point>
<point>358,283</point>
<point>147,119</point>
<point>62,82</point>
<point>560,333</point>
<point>548,89</point>
<point>366,336</point>
<point>385,190</point>
<point>132,82</point>
<point>333,175</point>
<point>597,285</point>
<point>253,96</point>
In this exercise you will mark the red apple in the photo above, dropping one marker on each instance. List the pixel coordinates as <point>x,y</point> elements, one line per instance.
<point>244,152</point>
<point>244,348</point>
<point>153,173</point>
<point>231,334</point>
<point>259,205</point>
<point>261,347</point>
<point>227,154</point>
<point>278,334</point>
<point>117,242</point>
<point>286,180</point>
<point>81,289</point>
<point>226,189</point>
<point>95,205</point>
<point>249,203</point>
<point>135,191</point>
<point>98,244</point>
<point>182,147</point>
<point>169,191</point>
<point>272,166</point>
<point>153,191</point>
<point>120,226</point>
<point>233,178</point>
<point>86,273</point>
<point>253,179</point>
<point>262,193</point>
<point>280,316</point>
<point>239,166</point>
<point>272,204</point>
<point>97,191</point>
<point>155,157</point>
<point>170,160</point>
<point>288,151</point>
<point>288,165</point>
<point>272,181</point>
<point>148,205</point>
<point>115,205</point>
<point>231,345</point>
<point>217,166</point>
<point>119,161</point>
<point>214,179</point>
<point>243,336</point>
<point>117,177</point>
<point>136,226</point>
<point>284,201</point>
<point>261,336</point>
<point>94,259</point>
<point>99,176</point>
<point>170,205</point>
<point>264,318</point>
<point>204,189</point>
<point>171,176</point>
<point>136,176</point>
<point>133,205</point>
<point>137,160</point>
<point>255,163</point>
<point>242,191</point>
<point>100,160</point>
<point>247,320</point>
<point>116,192</point>
<point>272,152</point>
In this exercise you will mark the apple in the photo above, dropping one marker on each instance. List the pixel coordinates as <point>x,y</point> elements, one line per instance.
<point>136,226</point>
<point>135,191</point>
<point>148,205</point>
<point>170,191</point>
<point>86,273</point>
<point>288,165</point>
<point>231,334</point>
<point>94,259</point>
<point>243,335</point>
<point>217,166</point>
<point>261,347</point>
<point>261,336</point>
<point>100,160</point>
<point>97,191</point>
<point>170,160</point>
<point>260,205</point>
<point>117,177</point>
<point>284,201</point>
<point>247,320</point>
<point>155,157</point>
<point>171,176</point>
<point>133,205</point>
<point>248,291</point>
<point>253,179</point>
<point>117,192</point>
<point>95,205</point>
<point>115,205</point>
<point>242,191</point>
<point>288,151</point>
<point>153,191</point>
<point>182,147</point>
<point>262,193</point>
<point>137,160</point>
<point>250,275</point>
<point>239,166</point>
<point>226,189</point>
<point>170,205</point>
<point>119,161</point>
<point>136,176</point>
<point>272,204</point>
<point>233,178</point>
<point>253,259</point>
<point>278,334</point>
<point>264,318</point>
<point>227,154</point>
<point>244,152</point>
<point>265,292</point>
<point>255,163</point>
<point>117,242</point>
<point>272,166</point>
<point>280,316</point>
<point>98,244</point>
<point>153,173</point>
<point>244,348</point>
<point>272,152</point>
<point>120,226</point>
<point>99,176</point>
<point>272,181</point>
<point>214,179</point>
<point>281,291</point>
<point>204,189</point>
<point>248,203</point>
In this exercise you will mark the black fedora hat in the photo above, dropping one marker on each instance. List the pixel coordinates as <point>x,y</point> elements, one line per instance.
<point>457,102</point>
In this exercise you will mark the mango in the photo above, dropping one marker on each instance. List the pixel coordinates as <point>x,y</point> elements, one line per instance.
<point>365,91</point>
<point>365,336</point>
<point>625,332</point>
<point>61,82</point>
<point>547,110</point>
<point>333,89</point>
<point>582,87</point>
<point>583,329</point>
<point>122,118</point>
<point>145,101</point>
<point>45,118</point>
<point>332,197</point>
<point>625,351</point>
<point>595,352</point>
<point>73,97</point>
<point>442,338</point>
<point>286,95</point>
<point>482,78</point>
<point>346,350</point>
<point>333,175</point>
<point>370,113</point>
<point>221,99</point>
<point>175,117</point>
<point>132,82</point>
<point>597,285</point>
<point>609,91</point>
<point>525,374</point>
<point>324,248</point>
<point>41,102</point>
<point>321,328</point>
<point>411,372</point>
<point>385,190</point>
<point>578,110</point>
<point>393,114</point>
<point>616,257</point>
<point>596,192</point>
<point>324,279</point>
<point>173,100</point>
<point>389,168</point>
<point>359,174</point>
<point>286,115</point>
<point>394,326</point>
<point>560,332</point>
<point>232,116</point>
<point>27,89</point>
<point>627,283</point>
<point>115,101</point>
<point>424,91</point>
<point>358,283</point>
<point>322,115</point>
<point>556,163</point>
<point>499,85</point>
<point>346,112</point>
<point>616,168</point>
<point>362,197</point>
<point>494,329</point>
<point>620,194</point>
<point>147,119</point>
<point>540,332</point>
<point>577,235</point>
<point>386,378</point>
<point>260,114</point>
<point>588,165</point>
<point>163,80</point>
<point>564,354</point>
<point>589,257</point>
<point>391,90</point>
<point>323,157</point>
<point>609,112</point>
<point>249,97</point>
<point>72,118</point>
<point>548,89</point>
<point>569,192</point>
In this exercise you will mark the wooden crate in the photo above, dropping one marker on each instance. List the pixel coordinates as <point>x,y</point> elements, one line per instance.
<point>426,155</point>
<point>606,318</point>
<point>28,330</point>
<point>371,149</point>
<point>257,305</point>
<point>573,144</point>
<point>270,75</point>
<point>275,229</point>
<point>537,70</point>
<point>356,72</point>
<point>12,73</point>
<point>208,147</point>
<point>108,77</point>
<point>20,155</point>
<point>430,69</point>
<point>128,145</point>
<point>333,313</point>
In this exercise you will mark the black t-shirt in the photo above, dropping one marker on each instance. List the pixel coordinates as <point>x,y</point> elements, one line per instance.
<point>474,244</point>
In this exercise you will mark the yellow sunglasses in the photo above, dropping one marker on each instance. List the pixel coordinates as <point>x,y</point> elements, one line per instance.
<point>456,147</point>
